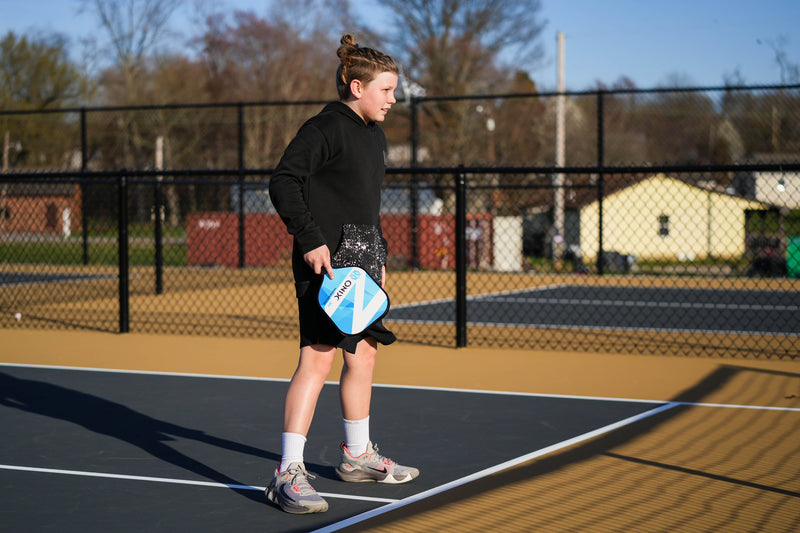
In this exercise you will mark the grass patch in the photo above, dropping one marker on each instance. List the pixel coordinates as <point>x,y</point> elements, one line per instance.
<point>71,253</point>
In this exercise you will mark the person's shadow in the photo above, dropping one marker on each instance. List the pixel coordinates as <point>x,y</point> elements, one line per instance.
<point>123,423</point>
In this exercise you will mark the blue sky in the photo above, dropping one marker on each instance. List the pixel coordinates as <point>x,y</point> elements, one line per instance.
<point>691,42</point>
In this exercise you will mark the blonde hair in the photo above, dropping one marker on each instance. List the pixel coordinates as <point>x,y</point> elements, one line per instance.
<point>359,63</point>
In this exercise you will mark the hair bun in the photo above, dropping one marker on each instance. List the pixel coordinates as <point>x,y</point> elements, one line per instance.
<point>348,44</point>
<point>362,63</point>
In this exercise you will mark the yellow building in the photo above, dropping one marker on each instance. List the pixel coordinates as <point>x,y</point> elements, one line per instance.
<point>665,218</point>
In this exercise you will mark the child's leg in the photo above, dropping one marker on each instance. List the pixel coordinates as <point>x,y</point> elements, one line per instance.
<point>355,393</point>
<point>289,487</point>
<point>301,399</point>
<point>360,458</point>
<point>355,386</point>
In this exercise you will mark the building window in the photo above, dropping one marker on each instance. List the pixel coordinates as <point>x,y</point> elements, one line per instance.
<point>663,225</point>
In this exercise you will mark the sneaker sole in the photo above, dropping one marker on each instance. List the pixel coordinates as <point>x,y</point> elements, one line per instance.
<point>359,476</point>
<point>295,509</point>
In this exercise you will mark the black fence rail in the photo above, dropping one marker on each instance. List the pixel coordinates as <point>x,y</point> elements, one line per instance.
<point>687,126</point>
<point>655,221</point>
<point>647,263</point>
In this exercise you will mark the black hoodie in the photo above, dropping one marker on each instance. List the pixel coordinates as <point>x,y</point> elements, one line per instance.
<point>330,175</point>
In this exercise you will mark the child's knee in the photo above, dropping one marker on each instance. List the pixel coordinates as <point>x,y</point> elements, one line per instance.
<point>317,361</point>
<point>363,359</point>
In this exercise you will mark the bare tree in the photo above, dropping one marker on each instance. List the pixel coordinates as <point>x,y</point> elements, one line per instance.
<point>288,55</point>
<point>451,46</point>
<point>36,73</point>
<point>133,27</point>
<point>790,72</point>
<point>314,19</point>
<point>457,47</point>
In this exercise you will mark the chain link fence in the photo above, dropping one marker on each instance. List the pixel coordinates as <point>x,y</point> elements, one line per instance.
<point>670,226</point>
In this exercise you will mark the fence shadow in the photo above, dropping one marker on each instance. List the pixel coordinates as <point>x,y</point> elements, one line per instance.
<point>682,469</point>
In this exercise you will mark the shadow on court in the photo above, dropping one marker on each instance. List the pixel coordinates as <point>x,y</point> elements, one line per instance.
<point>670,471</point>
<point>112,419</point>
<point>83,423</point>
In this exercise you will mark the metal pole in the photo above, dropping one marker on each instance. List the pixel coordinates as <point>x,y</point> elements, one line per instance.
<point>240,120</point>
<point>558,178</point>
<point>122,245</point>
<point>413,192</point>
<point>600,181</point>
<point>84,166</point>
<point>4,193</point>
<point>461,259</point>
<point>159,233</point>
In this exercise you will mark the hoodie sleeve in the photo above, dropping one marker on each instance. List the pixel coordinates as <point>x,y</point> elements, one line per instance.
<point>289,186</point>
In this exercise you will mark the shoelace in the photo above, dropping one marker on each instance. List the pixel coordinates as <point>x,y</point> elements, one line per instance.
<point>300,480</point>
<point>380,458</point>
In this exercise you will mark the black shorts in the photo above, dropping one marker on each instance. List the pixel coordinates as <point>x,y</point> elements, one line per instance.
<point>317,328</point>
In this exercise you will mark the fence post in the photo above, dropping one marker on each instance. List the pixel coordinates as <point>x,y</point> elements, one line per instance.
<point>461,259</point>
<point>159,237</point>
<point>122,245</point>
<point>600,179</point>
<point>84,166</point>
<point>240,121</point>
<point>413,192</point>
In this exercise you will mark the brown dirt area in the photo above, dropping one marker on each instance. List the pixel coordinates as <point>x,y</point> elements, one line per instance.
<point>660,378</point>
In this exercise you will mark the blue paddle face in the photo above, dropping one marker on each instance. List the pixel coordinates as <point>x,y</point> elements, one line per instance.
<point>352,299</point>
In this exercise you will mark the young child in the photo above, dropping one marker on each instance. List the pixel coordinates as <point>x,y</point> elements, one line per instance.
<point>326,189</point>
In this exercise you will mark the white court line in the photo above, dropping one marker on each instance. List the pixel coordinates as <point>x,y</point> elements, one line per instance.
<point>177,481</point>
<point>391,504</point>
<point>390,386</point>
<point>507,297</point>
<point>647,303</point>
<point>502,297</point>
<point>146,372</point>
<point>485,295</point>
<point>594,398</point>
<point>497,468</point>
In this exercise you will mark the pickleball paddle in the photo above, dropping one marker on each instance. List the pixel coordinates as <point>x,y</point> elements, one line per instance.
<point>352,299</point>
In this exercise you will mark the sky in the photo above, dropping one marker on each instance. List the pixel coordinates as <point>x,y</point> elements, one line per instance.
<point>698,43</point>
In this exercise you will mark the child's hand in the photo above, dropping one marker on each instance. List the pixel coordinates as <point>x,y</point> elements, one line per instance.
<point>319,259</point>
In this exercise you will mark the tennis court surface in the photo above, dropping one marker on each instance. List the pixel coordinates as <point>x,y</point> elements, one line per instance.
<point>167,433</point>
<point>625,308</point>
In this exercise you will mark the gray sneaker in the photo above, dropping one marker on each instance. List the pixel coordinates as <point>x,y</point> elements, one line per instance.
<point>371,466</point>
<point>293,493</point>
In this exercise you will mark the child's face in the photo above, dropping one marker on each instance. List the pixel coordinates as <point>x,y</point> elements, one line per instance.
<point>376,98</point>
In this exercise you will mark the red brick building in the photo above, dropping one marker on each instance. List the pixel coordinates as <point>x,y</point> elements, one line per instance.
<point>47,208</point>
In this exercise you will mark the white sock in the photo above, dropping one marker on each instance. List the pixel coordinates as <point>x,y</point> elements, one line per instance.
<point>356,435</point>
<point>293,447</point>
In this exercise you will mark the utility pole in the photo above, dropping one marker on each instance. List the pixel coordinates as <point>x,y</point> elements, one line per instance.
<point>558,178</point>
